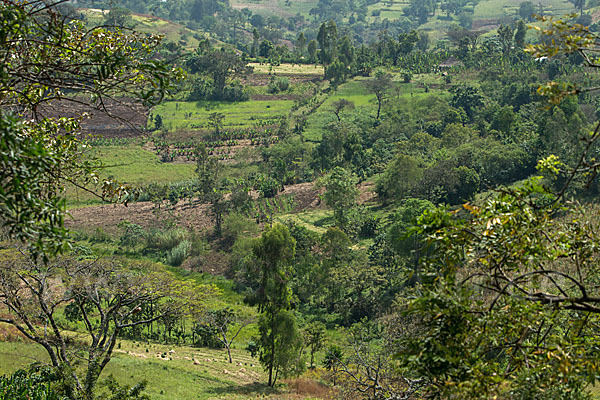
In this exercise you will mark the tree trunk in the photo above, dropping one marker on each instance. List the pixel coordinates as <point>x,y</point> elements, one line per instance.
<point>272,357</point>
<point>229,353</point>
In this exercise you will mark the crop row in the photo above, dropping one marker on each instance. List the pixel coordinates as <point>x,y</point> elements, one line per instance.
<point>263,209</point>
<point>169,151</point>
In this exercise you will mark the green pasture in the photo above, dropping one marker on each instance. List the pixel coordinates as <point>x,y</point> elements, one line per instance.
<point>436,28</point>
<point>492,9</point>
<point>135,165</point>
<point>171,31</point>
<point>298,6</point>
<point>354,91</point>
<point>296,69</point>
<point>276,7</point>
<point>194,115</point>
<point>132,165</point>
<point>172,376</point>
<point>314,220</point>
<point>357,92</point>
<point>387,9</point>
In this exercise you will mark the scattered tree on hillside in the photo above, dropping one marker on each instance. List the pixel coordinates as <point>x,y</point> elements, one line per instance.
<point>207,169</point>
<point>106,296</point>
<point>327,38</point>
<point>505,36</point>
<point>332,360</point>
<point>379,86</point>
<point>314,338</point>
<point>301,43</point>
<point>468,98</point>
<point>215,121</point>
<point>341,105</point>
<point>312,51</point>
<point>280,340</point>
<point>340,194</point>
<point>520,34</point>
<point>336,73</point>
<point>221,65</point>
<point>579,4</point>
<point>118,17</point>
<point>223,320</point>
<point>421,9</point>
<point>526,10</point>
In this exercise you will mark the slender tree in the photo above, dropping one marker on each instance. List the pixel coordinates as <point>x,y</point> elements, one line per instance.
<point>279,337</point>
<point>379,86</point>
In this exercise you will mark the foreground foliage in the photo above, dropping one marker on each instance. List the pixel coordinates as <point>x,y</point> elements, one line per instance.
<point>49,60</point>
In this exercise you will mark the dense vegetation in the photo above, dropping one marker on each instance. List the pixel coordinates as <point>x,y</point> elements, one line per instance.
<point>387,199</point>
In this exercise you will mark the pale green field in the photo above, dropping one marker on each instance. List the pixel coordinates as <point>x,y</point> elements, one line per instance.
<point>131,165</point>
<point>194,115</point>
<point>388,9</point>
<point>354,91</point>
<point>275,7</point>
<point>298,69</point>
<point>173,377</point>
<point>298,6</point>
<point>135,166</point>
<point>496,8</point>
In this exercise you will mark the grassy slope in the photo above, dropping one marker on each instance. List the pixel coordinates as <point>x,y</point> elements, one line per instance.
<point>354,91</point>
<point>487,9</point>
<point>297,69</point>
<point>172,31</point>
<point>214,378</point>
<point>237,115</point>
<point>136,166</point>
<point>132,165</point>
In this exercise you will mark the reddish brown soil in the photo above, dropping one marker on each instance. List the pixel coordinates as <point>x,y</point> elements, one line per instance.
<point>195,215</point>
<point>485,24</point>
<point>311,388</point>
<point>145,214</point>
<point>366,193</point>
<point>125,118</point>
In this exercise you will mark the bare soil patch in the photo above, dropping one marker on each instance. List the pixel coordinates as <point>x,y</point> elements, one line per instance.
<point>191,215</point>
<point>366,193</point>
<point>309,387</point>
<point>485,24</point>
<point>125,117</point>
<point>145,214</point>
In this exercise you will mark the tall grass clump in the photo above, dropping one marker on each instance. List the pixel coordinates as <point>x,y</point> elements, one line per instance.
<point>165,240</point>
<point>179,253</point>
